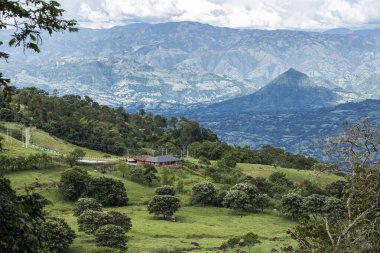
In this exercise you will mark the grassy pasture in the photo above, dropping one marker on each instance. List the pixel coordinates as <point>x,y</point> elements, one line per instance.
<point>208,226</point>
<point>259,170</point>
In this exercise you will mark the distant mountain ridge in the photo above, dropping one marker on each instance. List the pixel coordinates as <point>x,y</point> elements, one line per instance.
<point>296,131</point>
<point>291,91</point>
<point>188,63</point>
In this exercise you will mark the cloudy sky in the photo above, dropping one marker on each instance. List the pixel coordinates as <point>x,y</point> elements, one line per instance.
<point>266,14</point>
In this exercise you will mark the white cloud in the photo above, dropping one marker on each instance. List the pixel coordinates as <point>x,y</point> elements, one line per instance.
<point>271,14</point>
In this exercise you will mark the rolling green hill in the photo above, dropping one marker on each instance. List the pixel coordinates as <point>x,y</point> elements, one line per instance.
<point>208,226</point>
<point>43,142</point>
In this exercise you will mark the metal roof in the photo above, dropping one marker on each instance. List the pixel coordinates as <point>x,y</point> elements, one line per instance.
<point>163,159</point>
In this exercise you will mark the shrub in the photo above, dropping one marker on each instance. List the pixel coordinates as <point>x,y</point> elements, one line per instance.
<point>108,191</point>
<point>292,204</point>
<point>120,219</point>
<point>165,205</point>
<point>237,199</point>
<point>111,236</point>
<point>84,204</point>
<point>89,221</point>
<point>57,235</point>
<point>165,190</point>
<point>203,193</point>
<point>73,184</point>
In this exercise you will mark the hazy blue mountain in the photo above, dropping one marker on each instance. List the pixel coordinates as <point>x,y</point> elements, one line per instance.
<point>187,63</point>
<point>291,91</point>
<point>297,131</point>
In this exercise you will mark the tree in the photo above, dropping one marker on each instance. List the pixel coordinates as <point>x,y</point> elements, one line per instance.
<point>122,167</point>
<point>90,221</point>
<point>108,191</point>
<point>203,193</point>
<point>75,155</point>
<point>354,225</point>
<point>21,219</point>
<point>111,236</point>
<point>73,184</point>
<point>165,190</point>
<point>29,19</point>
<point>261,202</point>
<point>57,235</point>
<point>308,188</point>
<point>250,239</point>
<point>336,189</point>
<point>237,199</point>
<point>292,204</point>
<point>120,219</point>
<point>232,242</point>
<point>165,205</point>
<point>314,204</point>
<point>84,204</point>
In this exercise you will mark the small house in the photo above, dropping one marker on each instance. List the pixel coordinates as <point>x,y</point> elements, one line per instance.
<point>165,160</point>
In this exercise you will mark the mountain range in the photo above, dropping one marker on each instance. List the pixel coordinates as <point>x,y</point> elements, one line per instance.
<point>252,87</point>
<point>159,66</point>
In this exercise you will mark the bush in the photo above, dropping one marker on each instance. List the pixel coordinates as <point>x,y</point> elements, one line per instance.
<point>89,221</point>
<point>111,236</point>
<point>165,205</point>
<point>73,184</point>
<point>84,204</point>
<point>203,193</point>
<point>57,235</point>
<point>165,190</point>
<point>292,204</point>
<point>237,199</point>
<point>108,191</point>
<point>120,219</point>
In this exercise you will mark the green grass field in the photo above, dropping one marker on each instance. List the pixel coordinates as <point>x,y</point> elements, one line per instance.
<point>208,226</point>
<point>42,139</point>
<point>259,170</point>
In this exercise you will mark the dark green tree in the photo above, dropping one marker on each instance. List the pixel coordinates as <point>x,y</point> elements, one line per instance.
<point>203,193</point>
<point>73,184</point>
<point>237,199</point>
<point>84,204</point>
<point>292,204</point>
<point>165,190</point>
<point>57,235</point>
<point>108,191</point>
<point>75,155</point>
<point>165,205</point>
<point>112,236</point>
<point>250,239</point>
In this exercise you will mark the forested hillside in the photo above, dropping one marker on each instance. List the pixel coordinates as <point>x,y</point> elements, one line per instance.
<point>84,122</point>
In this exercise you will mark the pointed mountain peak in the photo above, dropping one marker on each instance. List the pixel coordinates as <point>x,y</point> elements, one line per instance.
<point>292,77</point>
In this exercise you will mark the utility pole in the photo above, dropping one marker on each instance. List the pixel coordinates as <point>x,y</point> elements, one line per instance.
<point>7,134</point>
<point>162,150</point>
<point>166,147</point>
<point>187,151</point>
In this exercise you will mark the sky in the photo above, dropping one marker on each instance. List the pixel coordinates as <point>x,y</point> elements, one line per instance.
<point>263,14</point>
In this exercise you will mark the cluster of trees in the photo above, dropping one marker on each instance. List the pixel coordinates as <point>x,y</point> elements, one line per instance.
<point>146,175</point>
<point>109,228</point>
<point>37,161</point>
<point>266,155</point>
<point>164,202</point>
<point>242,196</point>
<point>26,227</point>
<point>86,123</point>
<point>350,221</point>
<point>76,183</point>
